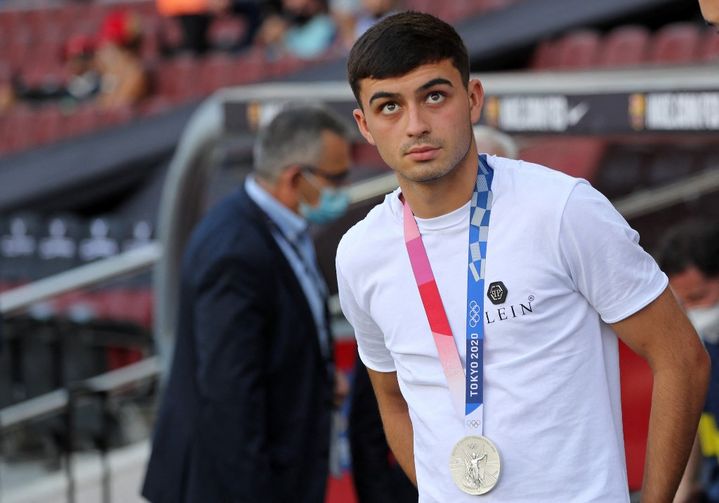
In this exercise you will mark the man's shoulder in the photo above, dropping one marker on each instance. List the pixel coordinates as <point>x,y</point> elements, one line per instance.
<point>528,173</point>
<point>534,185</point>
<point>368,233</point>
<point>229,226</point>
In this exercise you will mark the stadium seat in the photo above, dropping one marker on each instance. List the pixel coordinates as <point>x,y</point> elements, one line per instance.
<point>82,120</point>
<point>365,154</point>
<point>624,46</point>
<point>18,247</point>
<point>58,244</point>
<point>19,123</point>
<point>621,173</point>
<point>675,43</point>
<point>578,50</point>
<point>709,46</point>
<point>177,79</point>
<point>545,56</point>
<point>671,166</point>
<point>576,156</point>
<point>48,125</point>
<point>215,72</point>
<point>250,66</point>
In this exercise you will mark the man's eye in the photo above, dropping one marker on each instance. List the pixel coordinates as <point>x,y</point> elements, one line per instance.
<point>389,108</point>
<point>435,97</point>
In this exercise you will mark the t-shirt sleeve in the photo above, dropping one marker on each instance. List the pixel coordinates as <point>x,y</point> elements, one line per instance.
<point>370,341</point>
<point>604,258</point>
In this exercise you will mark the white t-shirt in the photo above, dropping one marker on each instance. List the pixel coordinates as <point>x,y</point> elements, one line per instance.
<point>570,264</point>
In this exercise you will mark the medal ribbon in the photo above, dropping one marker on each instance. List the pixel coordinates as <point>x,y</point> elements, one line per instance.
<point>467,399</point>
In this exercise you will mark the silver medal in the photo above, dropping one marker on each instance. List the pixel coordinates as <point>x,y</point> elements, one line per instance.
<point>475,465</point>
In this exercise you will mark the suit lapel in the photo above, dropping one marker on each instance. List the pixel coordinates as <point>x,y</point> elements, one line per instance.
<point>259,219</point>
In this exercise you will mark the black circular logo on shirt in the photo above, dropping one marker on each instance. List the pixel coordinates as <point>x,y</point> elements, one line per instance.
<point>497,292</point>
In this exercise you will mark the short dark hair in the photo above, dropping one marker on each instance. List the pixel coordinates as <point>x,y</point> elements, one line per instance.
<point>402,42</point>
<point>690,244</point>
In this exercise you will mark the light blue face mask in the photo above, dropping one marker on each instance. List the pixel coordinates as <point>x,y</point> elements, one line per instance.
<point>332,205</point>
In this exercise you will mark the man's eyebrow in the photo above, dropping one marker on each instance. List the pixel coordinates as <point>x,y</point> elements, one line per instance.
<point>423,87</point>
<point>382,94</point>
<point>434,82</point>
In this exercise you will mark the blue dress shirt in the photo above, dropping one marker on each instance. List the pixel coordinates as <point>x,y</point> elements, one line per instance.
<point>290,232</point>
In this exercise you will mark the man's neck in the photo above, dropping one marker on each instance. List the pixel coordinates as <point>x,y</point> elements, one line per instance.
<point>443,195</point>
<point>279,193</point>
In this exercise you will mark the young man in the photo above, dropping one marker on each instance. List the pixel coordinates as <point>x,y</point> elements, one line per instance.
<point>245,416</point>
<point>511,391</point>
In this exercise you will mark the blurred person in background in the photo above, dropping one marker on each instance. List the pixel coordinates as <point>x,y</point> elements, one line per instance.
<point>81,84</point>
<point>373,11</point>
<point>301,28</point>
<point>123,78</point>
<point>195,18</point>
<point>354,17</point>
<point>689,255</point>
<point>246,412</point>
<point>565,278</point>
<point>377,476</point>
<point>84,79</point>
<point>710,11</point>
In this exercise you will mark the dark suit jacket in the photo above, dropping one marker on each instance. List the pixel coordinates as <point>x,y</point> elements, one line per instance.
<point>245,416</point>
<point>377,476</point>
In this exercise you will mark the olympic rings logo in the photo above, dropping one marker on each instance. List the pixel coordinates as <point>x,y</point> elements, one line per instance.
<point>474,423</point>
<point>474,314</point>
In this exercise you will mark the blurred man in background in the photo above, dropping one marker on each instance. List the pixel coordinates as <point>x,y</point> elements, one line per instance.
<point>246,413</point>
<point>301,28</point>
<point>689,255</point>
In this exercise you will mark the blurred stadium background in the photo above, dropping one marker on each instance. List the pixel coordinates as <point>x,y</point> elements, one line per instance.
<point>96,201</point>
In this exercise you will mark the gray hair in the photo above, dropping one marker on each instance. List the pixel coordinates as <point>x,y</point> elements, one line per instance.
<point>500,143</point>
<point>294,136</point>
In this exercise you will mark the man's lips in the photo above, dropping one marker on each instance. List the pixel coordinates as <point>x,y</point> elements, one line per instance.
<point>422,153</point>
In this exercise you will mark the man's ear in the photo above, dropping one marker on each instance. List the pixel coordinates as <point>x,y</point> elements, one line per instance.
<point>361,121</point>
<point>476,99</point>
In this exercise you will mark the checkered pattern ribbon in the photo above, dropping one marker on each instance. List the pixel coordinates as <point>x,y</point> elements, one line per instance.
<point>466,387</point>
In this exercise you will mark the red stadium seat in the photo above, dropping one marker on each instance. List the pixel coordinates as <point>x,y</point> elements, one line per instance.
<point>20,121</point>
<point>48,125</point>
<point>215,72</point>
<point>578,49</point>
<point>576,156</point>
<point>177,79</point>
<point>675,43</point>
<point>489,5</point>
<point>286,65</point>
<point>82,120</point>
<point>709,46</point>
<point>545,56</point>
<point>365,154</point>
<point>624,46</point>
<point>249,67</point>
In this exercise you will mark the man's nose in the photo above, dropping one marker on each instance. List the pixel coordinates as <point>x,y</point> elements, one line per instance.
<point>417,125</point>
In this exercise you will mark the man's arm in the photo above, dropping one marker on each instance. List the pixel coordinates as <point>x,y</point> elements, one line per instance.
<point>395,418</point>
<point>662,335</point>
<point>231,333</point>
